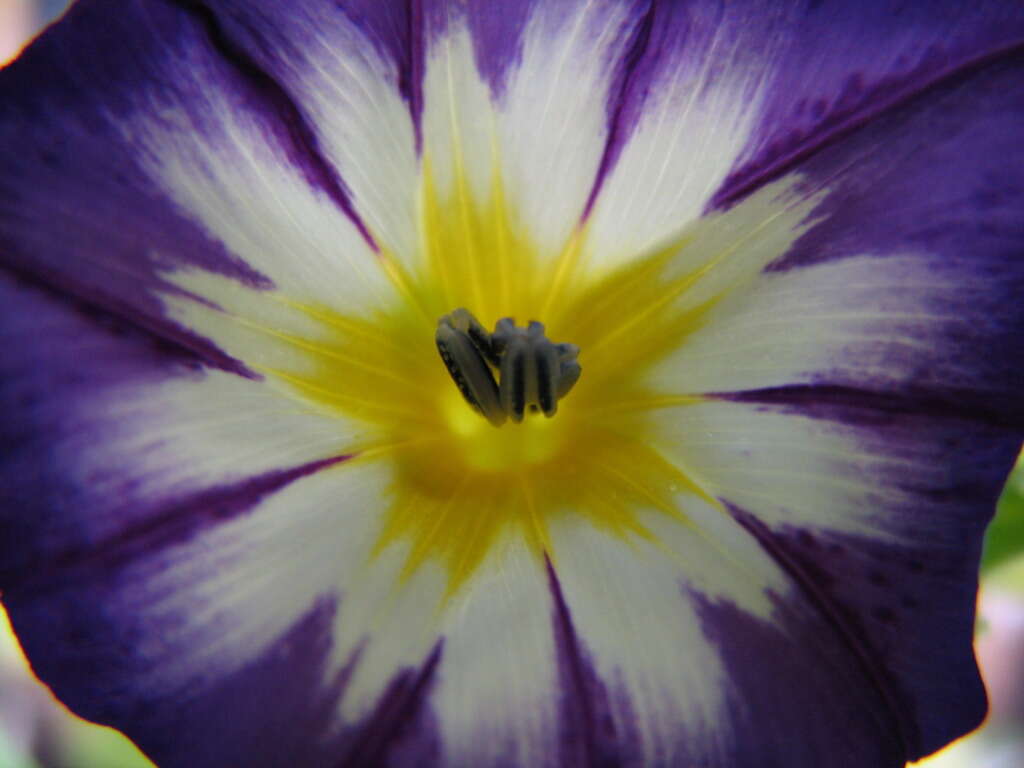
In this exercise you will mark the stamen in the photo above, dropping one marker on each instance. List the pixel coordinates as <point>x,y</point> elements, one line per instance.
<point>458,342</point>
<point>568,369</point>
<point>535,373</point>
<point>513,374</point>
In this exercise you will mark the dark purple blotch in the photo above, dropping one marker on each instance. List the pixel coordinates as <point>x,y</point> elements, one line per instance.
<point>588,734</point>
<point>838,66</point>
<point>908,632</point>
<point>793,699</point>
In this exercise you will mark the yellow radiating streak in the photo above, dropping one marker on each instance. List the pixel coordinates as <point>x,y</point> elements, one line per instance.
<point>319,350</point>
<point>403,284</point>
<point>352,328</point>
<point>632,319</point>
<point>540,531</point>
<point>623,282</point>
<point>431,229</point>
<point>646,494</point>
<point>653,402</point>
<point>341,397</point>
<point>429,542</point>
<point>464,199</point>
<point>679,285</point>
<point>500,224</point>
<point>565,266</point>
<point>478,531</point>
<point>674,512</point>
<point>377,450</point>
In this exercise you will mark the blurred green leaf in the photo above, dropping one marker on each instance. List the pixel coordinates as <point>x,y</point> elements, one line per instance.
<point>12,758</point>
<point>1005,536</point>
<point>86,745</point>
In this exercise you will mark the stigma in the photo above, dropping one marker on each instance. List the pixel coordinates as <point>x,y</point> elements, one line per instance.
<point>534,373</point>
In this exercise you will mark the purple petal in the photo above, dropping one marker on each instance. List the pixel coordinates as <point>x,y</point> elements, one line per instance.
<point>720,99</point>
<point>218,595</point>
<point>703,651</point>
<point>351,74</point>
<point>838,65</point>
<point>872,404</point>
<point>589,734</point>
<point>276,710</point>
<point>103,427</point>
<point>791,677</point>
<point>121,561</point>
<point>905,613</point>
<point>523,90</point>
<point>140,149</point>
<point>903,289</point>
<point>271,35</point>
<point>877,516</point>
<point>166,564</point>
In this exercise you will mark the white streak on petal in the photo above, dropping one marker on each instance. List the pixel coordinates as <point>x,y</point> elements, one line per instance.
<point>239,586</point>
<point>696,119</point>
<point>788,470</point>
<point>861,320</point>
<point>143,443</point>
<point>226,171</point>
<point>393,625</point>
<point>458,117</point>
<point>632,611</point>
<point>547,129</point>
<point>495,697</point>
<point>725,254</point>
<point>351,95</point>
<point>554,115</point>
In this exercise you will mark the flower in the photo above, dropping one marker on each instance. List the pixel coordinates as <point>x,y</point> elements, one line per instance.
<point>249,519</point>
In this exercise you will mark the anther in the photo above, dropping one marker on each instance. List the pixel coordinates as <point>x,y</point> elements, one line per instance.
<point>534,373</point>
<point>465,349</point>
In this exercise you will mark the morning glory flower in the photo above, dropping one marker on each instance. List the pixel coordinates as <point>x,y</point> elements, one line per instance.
<point>723,509</point>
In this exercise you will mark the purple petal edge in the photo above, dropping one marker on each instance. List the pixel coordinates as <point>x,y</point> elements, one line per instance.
<point>588,734</point>
<point>874,595</point>
<point>791,709</point>
<point>905,729</point>
<point>79,212</point>
<point>904,601</point>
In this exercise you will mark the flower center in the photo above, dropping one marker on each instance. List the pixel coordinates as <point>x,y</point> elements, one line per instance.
<point>457,486</point>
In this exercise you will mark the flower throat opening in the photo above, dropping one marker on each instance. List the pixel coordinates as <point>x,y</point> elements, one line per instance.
<point>533,372</point>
